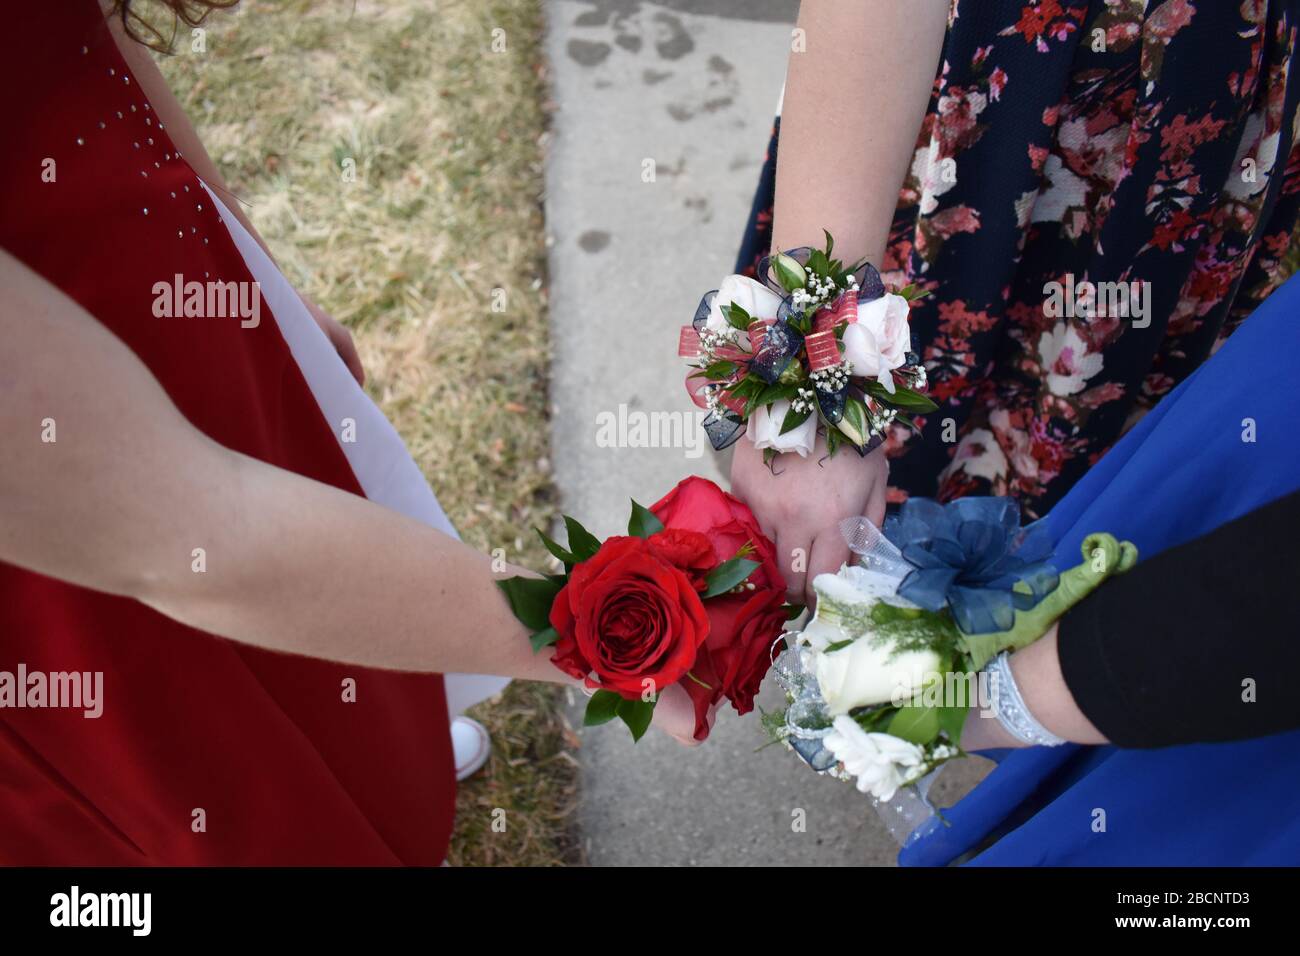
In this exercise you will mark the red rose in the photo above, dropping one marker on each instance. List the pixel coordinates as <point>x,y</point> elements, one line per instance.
<point>742,626</point>
<point>688,551</point>
<point>697,504</point>
<point>626,616</point>
<point>737,654</point>
<point>745,629</point>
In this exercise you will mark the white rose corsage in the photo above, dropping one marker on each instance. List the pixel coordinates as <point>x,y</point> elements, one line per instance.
<point>880,682</point>
<point>817,347</point>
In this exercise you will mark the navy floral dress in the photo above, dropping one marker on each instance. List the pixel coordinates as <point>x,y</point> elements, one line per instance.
<point>1069,148</point>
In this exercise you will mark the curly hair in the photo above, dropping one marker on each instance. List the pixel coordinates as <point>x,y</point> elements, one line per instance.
<point>190,12</point>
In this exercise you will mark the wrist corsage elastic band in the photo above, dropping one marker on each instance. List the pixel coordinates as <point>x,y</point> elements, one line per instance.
<point>1009,707</point>
<point>816,348</point>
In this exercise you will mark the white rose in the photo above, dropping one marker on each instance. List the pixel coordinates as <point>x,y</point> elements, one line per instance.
<point>879,341</point>
<point>882,763</point>
<point>765,429</point>
<point>835,592</point>
<point>867,671</point>
<point>754,297</point>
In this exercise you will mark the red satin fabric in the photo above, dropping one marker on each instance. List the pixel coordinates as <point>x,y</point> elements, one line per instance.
<point>284,770</point>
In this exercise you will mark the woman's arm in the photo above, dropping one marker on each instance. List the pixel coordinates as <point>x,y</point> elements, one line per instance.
<point>854,102</point>
<point>129,489</point>
<point>1196,644</point>
<point>1037,672</point>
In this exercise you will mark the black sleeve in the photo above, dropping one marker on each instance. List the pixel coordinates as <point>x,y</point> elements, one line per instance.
<point>1200,643</point>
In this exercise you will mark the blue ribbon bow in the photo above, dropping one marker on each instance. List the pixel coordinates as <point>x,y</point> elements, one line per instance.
<point>969,555</point>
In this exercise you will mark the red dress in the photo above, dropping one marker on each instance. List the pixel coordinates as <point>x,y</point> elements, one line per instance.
<point>283,769</point>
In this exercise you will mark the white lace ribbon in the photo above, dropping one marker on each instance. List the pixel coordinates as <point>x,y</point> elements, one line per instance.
<point>876,551</point>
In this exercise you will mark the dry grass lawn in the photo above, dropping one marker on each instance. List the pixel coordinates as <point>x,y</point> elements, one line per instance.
<point>392,159</point>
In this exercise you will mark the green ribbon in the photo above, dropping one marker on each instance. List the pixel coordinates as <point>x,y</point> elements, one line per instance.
<point>1103,555</point>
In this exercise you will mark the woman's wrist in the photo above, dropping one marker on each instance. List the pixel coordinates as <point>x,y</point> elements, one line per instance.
<point>1037,670</point>
<point>1045,698</point>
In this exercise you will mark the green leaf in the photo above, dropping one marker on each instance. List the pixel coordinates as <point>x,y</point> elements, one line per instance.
<point>736,316</point>
<point>792,376</point>
<point>830,242</point>
<point>789,272</point>
<point>792,611</point>
<point>720,370</point>
<point>920,725</point>
<point>838,646</point>
<point>531,599</point>
<point>771,393</point>
<point>793,419</point>
<point>853,425</point>
<point>951,722</point>
<point>552,546</point>
<point>748,386</point>
<point>874,718</point>
<point>602,708</point>
<point>727,575</point>
<point>883,613</point>
<point>856,412</point>
<point>582,542</point>
<point>544,638</point>
<point>637,714</point>
<point>905,398</point>
<point>818,263</point>
<point>643,522</point>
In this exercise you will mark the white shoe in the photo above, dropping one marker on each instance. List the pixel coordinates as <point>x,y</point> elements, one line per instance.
<point>470,745</point>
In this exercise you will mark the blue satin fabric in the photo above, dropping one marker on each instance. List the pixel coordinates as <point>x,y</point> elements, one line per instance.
<point>1183,471</point>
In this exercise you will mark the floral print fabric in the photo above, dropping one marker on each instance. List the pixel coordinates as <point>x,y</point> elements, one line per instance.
<point>1100,193</point>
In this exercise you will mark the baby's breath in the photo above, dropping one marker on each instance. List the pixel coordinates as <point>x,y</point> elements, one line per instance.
<point>833,378</point>
<point>805,400</point>
<point>711,341</point>
<point>819,291</point>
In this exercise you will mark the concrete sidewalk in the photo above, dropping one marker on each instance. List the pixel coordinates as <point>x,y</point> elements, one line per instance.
<point>686,89</point>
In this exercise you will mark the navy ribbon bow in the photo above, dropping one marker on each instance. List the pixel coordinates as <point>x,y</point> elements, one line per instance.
<point>969,555</point>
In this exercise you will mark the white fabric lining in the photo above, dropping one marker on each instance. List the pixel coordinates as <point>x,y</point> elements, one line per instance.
<point>378,457</point>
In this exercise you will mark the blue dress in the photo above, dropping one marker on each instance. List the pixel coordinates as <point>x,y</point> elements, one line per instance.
<point>1185,469</point>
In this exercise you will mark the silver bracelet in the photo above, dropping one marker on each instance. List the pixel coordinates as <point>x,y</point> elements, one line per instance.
<point>1009,706</point>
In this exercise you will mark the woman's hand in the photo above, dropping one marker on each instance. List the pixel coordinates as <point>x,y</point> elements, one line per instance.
<point>855,99</point>
<point>675,716</point>
<point>800,502</point>
<point>339,337</point>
